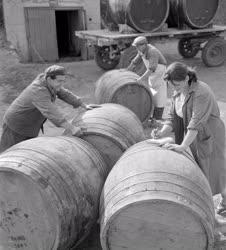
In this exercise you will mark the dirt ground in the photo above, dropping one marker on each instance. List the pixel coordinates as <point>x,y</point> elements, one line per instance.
<point>14,77</point>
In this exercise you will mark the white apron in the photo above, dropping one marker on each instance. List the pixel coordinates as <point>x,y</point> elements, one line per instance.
<point>157,84</point>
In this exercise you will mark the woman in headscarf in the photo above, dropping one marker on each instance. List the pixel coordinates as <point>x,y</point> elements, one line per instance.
<point>194,118</point>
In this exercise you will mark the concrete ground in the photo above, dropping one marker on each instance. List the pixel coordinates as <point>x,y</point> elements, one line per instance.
<point>14,76</point>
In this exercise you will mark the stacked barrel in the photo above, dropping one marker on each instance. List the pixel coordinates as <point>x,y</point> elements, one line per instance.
<point>142,15</point>
<point>150,15</point>
<point>195,14</point>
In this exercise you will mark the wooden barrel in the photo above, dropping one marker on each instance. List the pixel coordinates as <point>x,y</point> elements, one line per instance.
<point>121,87</point>
<point>142,15</point>
<point>111,129</point>
<point>49,193</point>
<point>196,14</point>
<point>155,198</point>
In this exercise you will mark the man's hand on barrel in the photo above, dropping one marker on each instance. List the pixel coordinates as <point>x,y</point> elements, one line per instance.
<point>70,129</point>
<point>77,131</point>
<point>90,106</point>
<point>156,133</point>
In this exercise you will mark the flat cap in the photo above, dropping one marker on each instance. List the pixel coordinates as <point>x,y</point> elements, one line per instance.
<point>140,40</point>
<point>56,70</point>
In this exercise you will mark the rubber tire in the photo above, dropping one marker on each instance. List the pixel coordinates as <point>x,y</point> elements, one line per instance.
<point>187,54</point>
<point>208,50</point>
<point>103,61</point>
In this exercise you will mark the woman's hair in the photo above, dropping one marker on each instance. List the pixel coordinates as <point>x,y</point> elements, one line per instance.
<point>178,71</point>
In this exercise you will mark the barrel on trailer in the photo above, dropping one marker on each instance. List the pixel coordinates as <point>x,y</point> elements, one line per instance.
<point>196,14</point>
<point>111,129</point>
<point>106,19</point>
<point>142,15</point>
<point>49,193</point>
<point>155,198</point>
<point>121,87</point>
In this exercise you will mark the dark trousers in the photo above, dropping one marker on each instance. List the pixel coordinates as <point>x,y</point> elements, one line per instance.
<point>10,138</point>
<point>158,112</point>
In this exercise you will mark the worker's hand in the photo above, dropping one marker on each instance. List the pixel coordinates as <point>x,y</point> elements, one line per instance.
<point>156,133</point>
<point>161,142</point>
<point>175,147</point>
<point>92,106</point>
<point>77,131</point>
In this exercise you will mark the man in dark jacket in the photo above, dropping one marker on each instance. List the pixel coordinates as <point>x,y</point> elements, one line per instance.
<point>28,112</point>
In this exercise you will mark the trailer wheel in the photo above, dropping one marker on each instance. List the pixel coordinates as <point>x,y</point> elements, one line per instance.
<point>103,58</point>
<point>214,52</point>
<point>187,49</point>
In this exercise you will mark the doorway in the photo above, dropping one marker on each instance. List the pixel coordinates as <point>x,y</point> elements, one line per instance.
<point>67,22</point>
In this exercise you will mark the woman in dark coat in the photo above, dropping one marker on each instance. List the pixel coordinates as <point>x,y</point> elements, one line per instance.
<point>195,119</point>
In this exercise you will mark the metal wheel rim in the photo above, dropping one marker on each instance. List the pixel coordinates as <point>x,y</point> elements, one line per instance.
<point>104,54</point>
<point>187,47</point>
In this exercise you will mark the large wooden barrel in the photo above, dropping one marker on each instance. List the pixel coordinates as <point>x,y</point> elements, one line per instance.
<point>49,193</point>
<point>111,129</point>
<point>196,14</point>
<point>121,87</point>
<point>155,198</point>
<point>142,15</point>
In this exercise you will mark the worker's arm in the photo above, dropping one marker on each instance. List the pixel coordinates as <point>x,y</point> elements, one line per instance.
<point>134,62</point>
<point>69,97</point>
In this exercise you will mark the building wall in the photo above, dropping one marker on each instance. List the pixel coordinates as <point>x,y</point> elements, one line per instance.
<point>15,20</point>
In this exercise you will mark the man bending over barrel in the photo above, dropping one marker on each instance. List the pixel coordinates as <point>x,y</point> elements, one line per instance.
<point>155,64</point>
<point>28,112</point>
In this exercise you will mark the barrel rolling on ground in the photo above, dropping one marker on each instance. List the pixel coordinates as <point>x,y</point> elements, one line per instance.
<point>49,193</point>
<point>121,87</point>
<point>111,129</point>
<point>155,198</point>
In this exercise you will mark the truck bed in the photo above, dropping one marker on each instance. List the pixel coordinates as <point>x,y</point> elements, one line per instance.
<point>99,37</point>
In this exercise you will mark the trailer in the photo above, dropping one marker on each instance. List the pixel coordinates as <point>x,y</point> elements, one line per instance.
<point>111,46</point>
